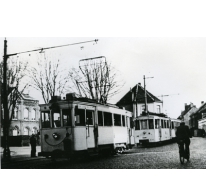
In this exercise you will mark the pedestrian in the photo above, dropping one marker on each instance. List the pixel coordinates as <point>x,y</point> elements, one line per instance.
<point>67,146</point>
<point>33,145</point>
<point>183,135</point>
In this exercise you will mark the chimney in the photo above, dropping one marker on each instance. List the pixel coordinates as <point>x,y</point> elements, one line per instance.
<point>185,106</point>
<point>202,102</point>
<point>191,104</point>
<point>139,84</point>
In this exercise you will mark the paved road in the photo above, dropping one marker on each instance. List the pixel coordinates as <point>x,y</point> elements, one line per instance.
<point>161,157</point>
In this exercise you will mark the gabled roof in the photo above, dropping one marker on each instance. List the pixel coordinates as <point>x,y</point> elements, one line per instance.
<point>138,90</point>
<point>189,107</point>
<point>26,97</point>
<point>201,108</point>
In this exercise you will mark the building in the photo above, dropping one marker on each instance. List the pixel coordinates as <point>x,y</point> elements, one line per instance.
<point>26,116</point>
<point>25,120</point>
<point>134,100</point>
<point>198,118</point>
<point>185,115</point>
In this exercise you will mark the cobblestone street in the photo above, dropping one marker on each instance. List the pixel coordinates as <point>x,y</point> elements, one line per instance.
<point>161,157</point>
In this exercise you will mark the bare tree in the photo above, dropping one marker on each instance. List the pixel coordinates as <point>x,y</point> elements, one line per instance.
<point>96,79</point>
<point>49,78</point>
<point>16,74</point>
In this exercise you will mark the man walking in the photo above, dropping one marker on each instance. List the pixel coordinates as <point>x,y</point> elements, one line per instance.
<point>183,135</point>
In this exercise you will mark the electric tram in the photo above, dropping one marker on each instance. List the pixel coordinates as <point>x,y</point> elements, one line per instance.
<point>92,128</point>
<point>154,128</point>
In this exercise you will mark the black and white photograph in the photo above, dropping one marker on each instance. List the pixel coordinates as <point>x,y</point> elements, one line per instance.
<point>102,100</point>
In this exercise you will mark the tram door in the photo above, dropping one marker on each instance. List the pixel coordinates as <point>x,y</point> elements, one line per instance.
<point>130,126</point>
<point>90,127</point>
<point>160,129</point>
<point>170,128</point>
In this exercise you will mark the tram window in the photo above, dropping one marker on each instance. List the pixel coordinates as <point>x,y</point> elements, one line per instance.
<point>123,120</point>
<point>172,125</point>
<point>157,123</point>
<point>162,124</point>
<point>131,123</point>
<point>100,118</point>
<point>107,119</point>
<point>66,116</point>
<point>56,120</point>
<point>89,117</point>
<point>80,117</point>
<point>143,124</point>
<point>165,124</point>
<point>151,124</point>
<point>127,121</point>
<point>117,120</point>
<point>45,119</point>
<point>137,126</point>
<point>168,124</point>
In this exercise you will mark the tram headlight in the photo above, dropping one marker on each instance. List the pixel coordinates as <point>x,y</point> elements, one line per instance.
<point>56,136</point>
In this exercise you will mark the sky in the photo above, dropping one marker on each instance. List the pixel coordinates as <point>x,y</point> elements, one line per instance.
<point>167,42</point>
<point>177,64</point>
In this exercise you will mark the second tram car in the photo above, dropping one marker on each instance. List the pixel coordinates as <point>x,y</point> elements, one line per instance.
<point>154,129</point>
<point>89,127</point>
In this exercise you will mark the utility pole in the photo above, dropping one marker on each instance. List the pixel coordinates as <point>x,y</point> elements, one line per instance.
<point>6,152</point>
<point>145,94</point>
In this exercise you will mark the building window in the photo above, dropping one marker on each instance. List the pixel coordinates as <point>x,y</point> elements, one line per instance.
<point>26,131</point>
<point>34,130</point>
<point>143,108</point>
<point>158,109</point>
<point>26,113</point>
<point>33,114</point>
<point>15,131</point>
<point>15,115</point>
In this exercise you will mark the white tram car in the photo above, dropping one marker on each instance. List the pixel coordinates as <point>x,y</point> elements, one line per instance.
<point>92,128</point>
<point>154,129</point>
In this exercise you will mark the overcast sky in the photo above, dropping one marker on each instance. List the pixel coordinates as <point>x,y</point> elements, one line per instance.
<point>177,64</point>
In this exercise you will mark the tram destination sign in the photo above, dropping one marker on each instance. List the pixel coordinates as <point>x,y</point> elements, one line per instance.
<point>86,107</point>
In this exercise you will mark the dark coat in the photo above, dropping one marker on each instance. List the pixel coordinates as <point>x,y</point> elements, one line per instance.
<point>33,141</point>
<point>183,132</point>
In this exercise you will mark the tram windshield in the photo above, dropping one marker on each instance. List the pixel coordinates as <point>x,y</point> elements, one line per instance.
<point>146,124</point>
<point>54,120</point>
<point>45,117</point>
